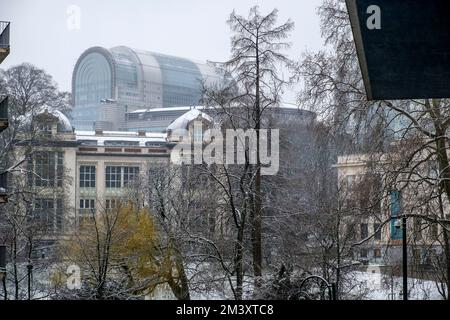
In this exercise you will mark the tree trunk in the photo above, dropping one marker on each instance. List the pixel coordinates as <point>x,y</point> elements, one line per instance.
<point>183,287</point>
<point>16,271</point>
<point>338,248</point>
<point>444,164</point>
<point>257,216</point>
<point>238,263</point>
<point>447,261</point>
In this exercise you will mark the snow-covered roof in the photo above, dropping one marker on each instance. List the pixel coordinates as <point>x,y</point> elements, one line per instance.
<point>182,122</point>
<point>63,121</point>
<point>64,124</point>
<point>121,136</point>
<point>281,106</point>
<point>168,109</point>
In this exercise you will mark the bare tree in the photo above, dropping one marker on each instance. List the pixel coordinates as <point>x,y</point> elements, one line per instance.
<point>116,249</point>
<point>257,46</point>
<point>404,136</point>
<point>29,90</point>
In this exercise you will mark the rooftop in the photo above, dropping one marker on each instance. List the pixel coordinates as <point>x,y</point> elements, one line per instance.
<point>182,122</point>
<point>187,108</point>
<point>111,138</point>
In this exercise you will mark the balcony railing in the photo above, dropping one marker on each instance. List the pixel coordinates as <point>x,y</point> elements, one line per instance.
<point>4,40</point>
<point>4,34</point>
<point>4,122</point>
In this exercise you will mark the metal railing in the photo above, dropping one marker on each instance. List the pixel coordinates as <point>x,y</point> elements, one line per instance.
<point>4,123</point>
<point>4,34</point>
<point>3,107</point>
<point>316,291</point>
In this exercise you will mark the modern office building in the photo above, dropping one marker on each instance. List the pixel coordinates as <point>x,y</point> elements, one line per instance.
<point>108,83</point>
<point>157,120</point>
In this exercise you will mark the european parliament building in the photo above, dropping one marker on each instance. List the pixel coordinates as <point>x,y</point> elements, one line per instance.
<point>107,84</point>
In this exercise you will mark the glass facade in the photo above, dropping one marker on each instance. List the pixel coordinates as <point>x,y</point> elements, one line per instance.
<point>135,80</point>
<point>181,81</point>
<point>93,82</point>
<point>129,88</point>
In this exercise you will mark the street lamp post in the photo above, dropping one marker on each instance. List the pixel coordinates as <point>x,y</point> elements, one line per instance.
<point>402,225</point>
<point>30,277</point>
<point>405,261</point>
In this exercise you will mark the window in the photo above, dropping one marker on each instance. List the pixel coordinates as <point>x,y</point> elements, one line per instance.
<point>118,177</point>
<point>87,206</point>
<point>121,143</point>
<point>377,232</point>
<point>363,253</point>
<point>352,230</point>
<point>377,253</point>
<point>130,174</point>
<point>198,133</point>
<point>111,204</point>
<point>153,144</point>
<point>45,128</point>
<point>434,231</point>
<point>43,211</point>
<point>49,168</point>
<point>417,255</point>
<point>49,213</point>
<point>364,231</point>
<point>88,142</point>
<point>113,177</point>
<point>87,176</point>
<point>350,180</point>
<point>86,212</point>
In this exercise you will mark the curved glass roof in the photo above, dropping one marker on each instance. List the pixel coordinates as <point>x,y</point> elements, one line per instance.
<point>94,79</point>
<point>136,79</point>
<point>142,78</point>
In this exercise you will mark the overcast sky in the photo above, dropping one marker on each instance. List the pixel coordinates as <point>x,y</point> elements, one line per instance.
<point>46,34</point>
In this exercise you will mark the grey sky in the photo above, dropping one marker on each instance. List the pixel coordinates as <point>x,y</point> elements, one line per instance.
<point>194,29</point>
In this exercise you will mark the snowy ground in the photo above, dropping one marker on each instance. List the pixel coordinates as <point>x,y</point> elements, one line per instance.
<point>370,285</point>
<point>390,288</point>
<point>375,285</point>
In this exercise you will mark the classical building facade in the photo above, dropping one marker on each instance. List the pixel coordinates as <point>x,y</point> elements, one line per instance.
<point>72,174</point>
<point>375,218</point>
